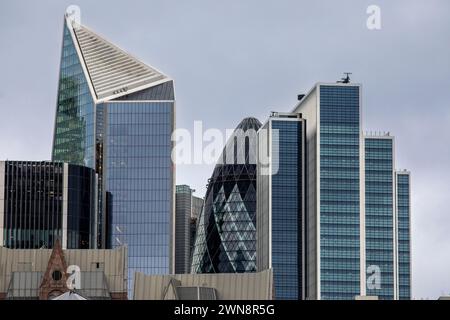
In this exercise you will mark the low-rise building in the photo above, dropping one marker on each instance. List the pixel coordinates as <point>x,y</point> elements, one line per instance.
<point>30,274</point>
<point>219,286</point>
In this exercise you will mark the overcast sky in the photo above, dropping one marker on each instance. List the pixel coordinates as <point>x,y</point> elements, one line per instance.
<point>237,58</point>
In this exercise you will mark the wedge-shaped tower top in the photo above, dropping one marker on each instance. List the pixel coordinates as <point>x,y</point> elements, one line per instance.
<point>111,71</point>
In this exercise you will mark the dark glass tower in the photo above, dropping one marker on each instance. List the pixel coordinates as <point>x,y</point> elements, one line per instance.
<point>115,114</point>
<point>44,201</point>
<point>280,203</point>
<point>226,232</point>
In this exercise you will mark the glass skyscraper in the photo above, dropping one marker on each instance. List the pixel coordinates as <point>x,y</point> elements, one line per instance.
<point>357,211</point>
<point>187,210</point>
<point>115,114</point>
<point>42,201</point>
<point>183,212</point>
<point>280,203</point>
<point>226,227</point>
<point>403,190</point>
<point>334,188</point>
<point>197,206</point>
<point>380,215</point>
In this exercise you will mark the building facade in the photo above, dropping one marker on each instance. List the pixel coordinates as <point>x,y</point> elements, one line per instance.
<point>197,206</point>
<point>380,219</point>
<point>357,215</point>
<point>187,210</point>
<point>43,273</point>
<point>334,191</point>
<point>42,201</point>
<point>403,191</point>
<point>280,203</point>
<point>183,212</point>
<point>224,286</point>
<point>115,114</point>
<point>226,232</point>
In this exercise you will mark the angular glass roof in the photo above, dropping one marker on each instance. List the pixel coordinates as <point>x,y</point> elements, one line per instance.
<point>112,71</point>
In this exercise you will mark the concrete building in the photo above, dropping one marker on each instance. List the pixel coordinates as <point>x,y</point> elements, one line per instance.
<point>43,273</point>
<point>219,286</point>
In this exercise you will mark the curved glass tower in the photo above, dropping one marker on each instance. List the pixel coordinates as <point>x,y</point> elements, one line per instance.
<point>226,230</point>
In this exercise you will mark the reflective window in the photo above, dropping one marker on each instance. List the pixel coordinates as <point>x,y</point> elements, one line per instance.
<point>379,178</point>
<point>287,211</point>
<point>74,126</point>
<point>139,182</point>
<point>404,232</point>
<point>339,192</point>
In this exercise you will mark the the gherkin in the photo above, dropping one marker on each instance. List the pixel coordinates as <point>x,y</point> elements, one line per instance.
<point>226,230</point>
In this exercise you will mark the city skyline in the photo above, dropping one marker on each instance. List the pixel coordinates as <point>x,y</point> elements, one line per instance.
<point>379,98</point>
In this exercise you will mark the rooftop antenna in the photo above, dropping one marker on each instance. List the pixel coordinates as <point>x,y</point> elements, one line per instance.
<point>346,79</point>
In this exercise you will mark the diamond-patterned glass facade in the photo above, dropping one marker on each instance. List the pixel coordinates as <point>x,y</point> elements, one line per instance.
<point>226,231</point>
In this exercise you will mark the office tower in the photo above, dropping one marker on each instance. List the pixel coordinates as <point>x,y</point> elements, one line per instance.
<point>403,199</point>
<point>197,206</point>
<point>226,233</point>
<point>192,236</point>
<point>43,201</point>
<point>334,191</point>
<point>380,218</point>
<point>280,203</point>
<point>187,210</point>
<point>183,211</point>
<point>115,114</point>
